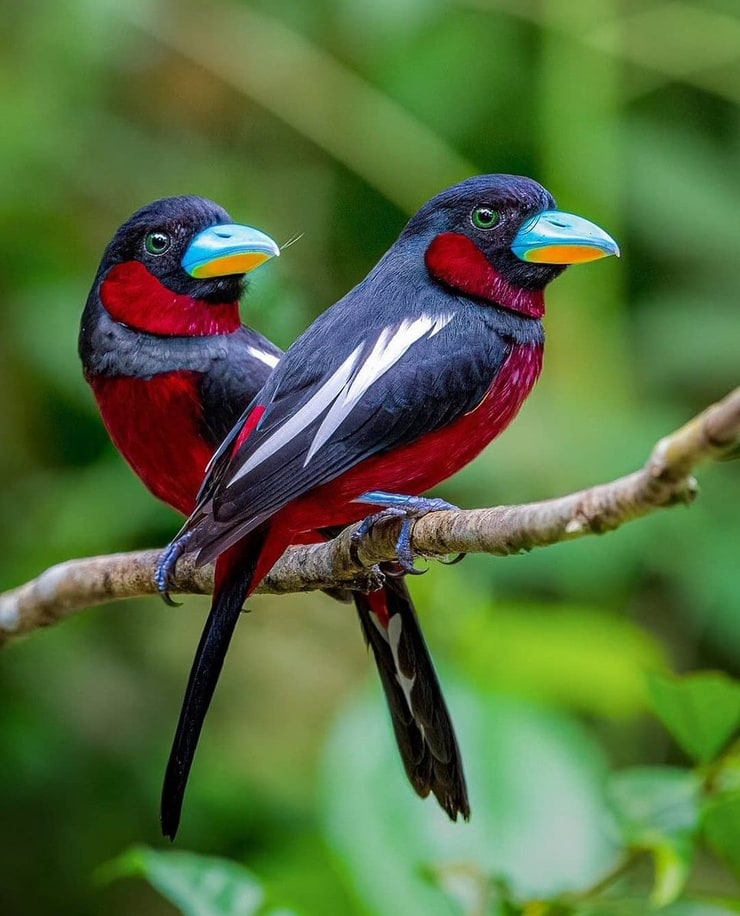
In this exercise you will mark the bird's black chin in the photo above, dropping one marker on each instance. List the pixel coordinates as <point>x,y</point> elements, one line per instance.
<point>214,290</point>
<point>221,289</point>
<point>525,275</point>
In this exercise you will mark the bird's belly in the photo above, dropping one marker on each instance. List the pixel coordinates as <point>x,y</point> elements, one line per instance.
<point>415,468</point>
<point>156,424</point>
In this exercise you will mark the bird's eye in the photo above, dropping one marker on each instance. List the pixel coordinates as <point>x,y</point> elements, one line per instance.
<point>157,242</point>
<point>484,217</point>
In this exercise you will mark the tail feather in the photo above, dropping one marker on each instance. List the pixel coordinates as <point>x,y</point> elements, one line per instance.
<point>421,722</point>
<point>234,576</point>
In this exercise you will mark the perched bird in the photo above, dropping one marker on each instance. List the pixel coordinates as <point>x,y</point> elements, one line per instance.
<point>162,344</point>
<point>172,369</point>
<point>391,390</point>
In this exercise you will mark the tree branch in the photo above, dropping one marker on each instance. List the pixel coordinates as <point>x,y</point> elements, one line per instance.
<point>665,480</point>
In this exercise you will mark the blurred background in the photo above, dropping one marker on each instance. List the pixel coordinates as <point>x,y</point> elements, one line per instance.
<point>337,119</point>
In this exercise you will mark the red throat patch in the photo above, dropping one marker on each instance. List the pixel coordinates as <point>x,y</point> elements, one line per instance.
<point>136,298</point>
<point>456,261</point>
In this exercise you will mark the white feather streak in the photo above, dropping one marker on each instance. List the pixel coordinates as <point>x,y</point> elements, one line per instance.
<point>269,359</point>
<point>388,350</point>
<point>395,627</point>
<point>301,418</point>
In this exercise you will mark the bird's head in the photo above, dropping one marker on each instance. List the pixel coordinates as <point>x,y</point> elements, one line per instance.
<point>500,238</point>
<point>178,267</point>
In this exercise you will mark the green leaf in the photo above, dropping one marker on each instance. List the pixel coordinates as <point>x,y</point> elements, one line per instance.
<point>657,809</point>
<point>672,860</point>
<point>654,801</point>
<point>197,885</point>
<point>539,822</point>
<point>721,823</point>
<point>725,776</point>
<point>701,711</point>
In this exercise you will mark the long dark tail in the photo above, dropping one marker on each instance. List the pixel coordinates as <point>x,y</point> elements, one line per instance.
<point>234,574</point>
<point>421,721</point>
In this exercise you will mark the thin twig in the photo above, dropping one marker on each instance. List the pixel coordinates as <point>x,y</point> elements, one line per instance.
<point>664,481</point>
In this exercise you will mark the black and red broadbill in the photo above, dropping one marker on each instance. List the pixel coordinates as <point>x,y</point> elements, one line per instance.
<point>391,390</point>
<point>162,344</point>
<point>172,369</point>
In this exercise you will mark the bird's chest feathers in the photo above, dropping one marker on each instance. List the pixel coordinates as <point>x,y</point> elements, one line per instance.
<point>420,465</point>
<point>136,298</point>
<point>157,426</point>
<point>440,454</point>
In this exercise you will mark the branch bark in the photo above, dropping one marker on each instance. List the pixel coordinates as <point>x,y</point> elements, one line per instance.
<point>665,480</point>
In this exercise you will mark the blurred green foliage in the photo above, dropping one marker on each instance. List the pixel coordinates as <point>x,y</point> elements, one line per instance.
<point>337,118</point>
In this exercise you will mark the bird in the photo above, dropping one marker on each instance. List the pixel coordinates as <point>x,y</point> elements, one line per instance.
<point>172,368</point>
<point>391,390</point>
<point>162,345</point>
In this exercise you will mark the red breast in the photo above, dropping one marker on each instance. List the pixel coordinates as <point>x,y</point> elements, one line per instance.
<point>421,465</point>
<point>156,424</point>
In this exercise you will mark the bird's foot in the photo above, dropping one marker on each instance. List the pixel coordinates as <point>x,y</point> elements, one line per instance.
<point>166,567</point>
<point>407,508</point>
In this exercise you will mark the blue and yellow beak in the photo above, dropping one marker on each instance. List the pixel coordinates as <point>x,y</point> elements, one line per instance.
<point>221,251</point>
<point>555,237</point>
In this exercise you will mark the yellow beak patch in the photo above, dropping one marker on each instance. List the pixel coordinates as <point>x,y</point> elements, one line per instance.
<point>565,254</point>
<point>230,264</point>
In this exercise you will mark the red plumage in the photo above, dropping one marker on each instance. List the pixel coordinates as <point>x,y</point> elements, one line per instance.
<point>413,468</point>
<point>157,424</point>
<point>132,295</point>
<point>459,263</point>
<point>422,464</point>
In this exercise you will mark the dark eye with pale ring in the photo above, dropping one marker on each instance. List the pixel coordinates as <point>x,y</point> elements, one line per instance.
<point>484,217</point>
<point>157,242</point>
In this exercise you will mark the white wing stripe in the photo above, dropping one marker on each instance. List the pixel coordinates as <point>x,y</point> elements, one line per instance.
<point>269,358</point>
<point>440,323</point>
<point>301,419</point>
<point>384,355</point>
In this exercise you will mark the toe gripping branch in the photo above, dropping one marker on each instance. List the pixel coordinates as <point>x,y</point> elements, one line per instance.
<point>166,567</point>
<point>395,505</point>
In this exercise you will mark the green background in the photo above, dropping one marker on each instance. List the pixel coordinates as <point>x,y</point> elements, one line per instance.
<point>337,120</point>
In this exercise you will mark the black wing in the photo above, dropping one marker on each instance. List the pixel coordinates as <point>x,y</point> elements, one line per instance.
<point>399,383</point>
<point>238,369</point>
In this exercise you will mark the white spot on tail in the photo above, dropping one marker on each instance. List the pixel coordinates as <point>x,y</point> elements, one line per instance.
<point>395,628</point>
<point>378,625</point>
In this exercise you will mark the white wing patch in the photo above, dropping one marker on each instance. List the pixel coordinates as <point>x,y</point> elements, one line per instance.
<point>344,388</point>
<point>389,348</point>
<point>301,418</point>
<point>269,359</point>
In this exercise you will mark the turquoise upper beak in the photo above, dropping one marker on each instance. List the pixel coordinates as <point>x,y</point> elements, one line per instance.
<point>221,251</point>
<point>555,237</point>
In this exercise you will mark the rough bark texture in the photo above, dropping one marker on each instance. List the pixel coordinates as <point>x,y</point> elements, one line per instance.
<point>665,480</point>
